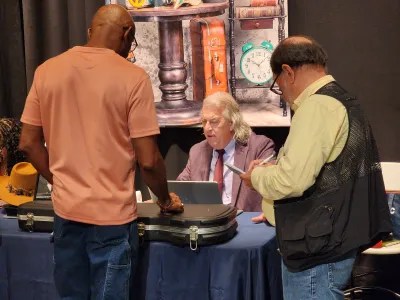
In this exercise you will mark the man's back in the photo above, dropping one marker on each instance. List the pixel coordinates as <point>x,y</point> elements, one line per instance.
<point>91,103</point>
<point>96,113</point>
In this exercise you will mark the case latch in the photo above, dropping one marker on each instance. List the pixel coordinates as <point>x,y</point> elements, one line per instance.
<point>30,221</point>
<point>141,230</point>
<point>193,234</point>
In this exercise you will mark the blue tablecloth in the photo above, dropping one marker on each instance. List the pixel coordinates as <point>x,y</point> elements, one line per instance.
<point>247,267</point>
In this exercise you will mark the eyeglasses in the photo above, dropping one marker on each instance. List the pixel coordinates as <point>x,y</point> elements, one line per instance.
<point>131,56</point>
<point>134,44</point>
<point>214,122</point>
<point>275,90</point>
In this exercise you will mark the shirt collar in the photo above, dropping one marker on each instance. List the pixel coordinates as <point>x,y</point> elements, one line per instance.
<point>229,149</point>
<point>311,89</point>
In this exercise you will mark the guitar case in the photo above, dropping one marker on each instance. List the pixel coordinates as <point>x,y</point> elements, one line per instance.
<point>198,225</point>
<point>36,216</point>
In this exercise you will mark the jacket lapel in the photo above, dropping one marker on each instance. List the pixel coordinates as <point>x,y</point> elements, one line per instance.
<point>239,161</point>
<point>205,160</point>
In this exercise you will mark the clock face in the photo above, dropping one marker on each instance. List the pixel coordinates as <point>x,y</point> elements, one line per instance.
<point>254,65</point>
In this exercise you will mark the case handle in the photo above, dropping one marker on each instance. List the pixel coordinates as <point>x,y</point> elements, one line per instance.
<point>30,220</point>
<point>193,234</point>
<point>141,230</point>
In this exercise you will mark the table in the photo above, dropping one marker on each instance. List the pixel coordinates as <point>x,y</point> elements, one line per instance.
<point>246,267</point>
<point>174,108</point>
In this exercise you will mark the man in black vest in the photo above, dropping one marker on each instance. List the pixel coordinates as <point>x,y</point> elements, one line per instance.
<point>326,186</point>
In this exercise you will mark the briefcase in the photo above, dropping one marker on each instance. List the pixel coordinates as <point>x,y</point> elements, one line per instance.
<point>209,67</point>
<point>36,216</point>
<point>198,225</point>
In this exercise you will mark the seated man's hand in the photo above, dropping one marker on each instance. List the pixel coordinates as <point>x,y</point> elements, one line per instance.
<point>174,206</point>
<point>259,219</point>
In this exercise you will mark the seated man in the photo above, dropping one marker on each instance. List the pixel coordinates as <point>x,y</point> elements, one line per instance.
<point>10,131</point>
<point>225,129</point>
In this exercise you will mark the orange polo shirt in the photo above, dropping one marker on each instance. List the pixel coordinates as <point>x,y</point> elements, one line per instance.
<point>90,102</point>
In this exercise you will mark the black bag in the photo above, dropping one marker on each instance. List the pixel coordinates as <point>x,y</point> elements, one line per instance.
<point>199,224</point>
<point>36,216</point>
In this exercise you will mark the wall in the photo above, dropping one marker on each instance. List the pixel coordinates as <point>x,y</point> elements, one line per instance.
<point>362,38</point>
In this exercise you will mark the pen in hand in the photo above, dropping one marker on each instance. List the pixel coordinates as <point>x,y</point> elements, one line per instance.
<point>268,159</point>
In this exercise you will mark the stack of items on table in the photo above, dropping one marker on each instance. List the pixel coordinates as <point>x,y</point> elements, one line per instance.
<point>259,14</point>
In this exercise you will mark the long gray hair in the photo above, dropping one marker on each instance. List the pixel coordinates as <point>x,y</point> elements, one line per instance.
<point>231,113</point>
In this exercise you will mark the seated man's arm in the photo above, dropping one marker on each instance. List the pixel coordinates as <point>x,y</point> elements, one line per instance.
<point>185,175</point>
<point>265,149</point>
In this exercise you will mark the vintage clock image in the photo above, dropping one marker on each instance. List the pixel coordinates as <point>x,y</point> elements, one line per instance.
<point>254,63</point>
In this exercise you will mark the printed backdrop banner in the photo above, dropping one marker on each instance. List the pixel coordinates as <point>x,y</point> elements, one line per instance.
<point>259,106</point>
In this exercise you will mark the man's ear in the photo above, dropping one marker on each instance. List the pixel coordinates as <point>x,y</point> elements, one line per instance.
<point>289,72</point>
<point>127,33</point>
<point>89,33</point>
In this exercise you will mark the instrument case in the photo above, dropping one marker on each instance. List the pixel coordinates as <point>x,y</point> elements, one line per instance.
<point>36,216</point>
<point>198,225</point>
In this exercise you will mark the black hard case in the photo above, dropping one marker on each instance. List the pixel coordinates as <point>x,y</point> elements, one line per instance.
<point>36,216</point>
<point>199,224</point>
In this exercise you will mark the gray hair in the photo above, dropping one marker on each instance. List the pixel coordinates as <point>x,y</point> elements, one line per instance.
<point>231,113</point>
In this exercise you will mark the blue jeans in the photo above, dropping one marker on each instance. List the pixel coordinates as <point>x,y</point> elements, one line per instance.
<point>94,262</point>
<point>322,282</point>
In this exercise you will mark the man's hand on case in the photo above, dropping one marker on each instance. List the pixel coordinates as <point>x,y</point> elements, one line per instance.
<point>174,206</point>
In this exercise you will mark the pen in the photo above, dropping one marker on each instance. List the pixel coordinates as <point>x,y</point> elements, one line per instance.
<point>269,158</point>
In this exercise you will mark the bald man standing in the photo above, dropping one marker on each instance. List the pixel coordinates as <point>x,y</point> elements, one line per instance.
<point>95,111</point>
